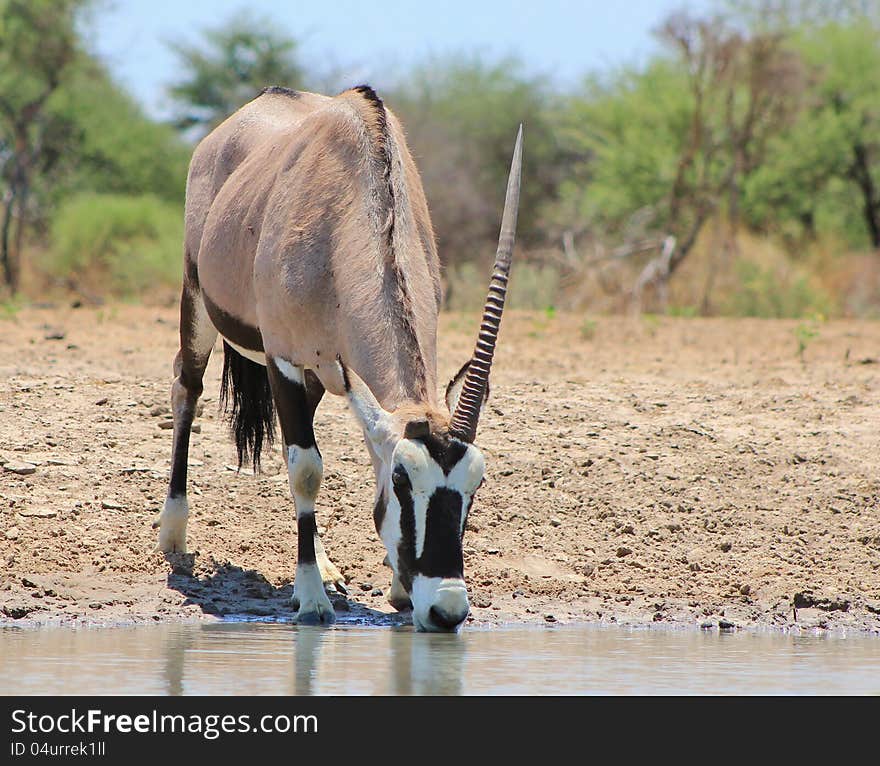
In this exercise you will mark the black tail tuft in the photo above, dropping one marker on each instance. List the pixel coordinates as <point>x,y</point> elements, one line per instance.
<point>252,417</point>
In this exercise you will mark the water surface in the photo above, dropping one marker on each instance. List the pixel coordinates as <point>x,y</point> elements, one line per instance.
<point>263,658</point>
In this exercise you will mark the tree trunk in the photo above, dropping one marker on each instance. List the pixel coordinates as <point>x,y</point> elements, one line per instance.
<point>5,254</point>
<point>861,172</point>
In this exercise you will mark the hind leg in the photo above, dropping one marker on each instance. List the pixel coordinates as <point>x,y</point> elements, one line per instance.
<point>197,336</point>
<point>296,393</point>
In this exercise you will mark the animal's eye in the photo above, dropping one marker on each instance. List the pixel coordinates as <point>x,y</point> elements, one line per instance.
<point>400,478</point>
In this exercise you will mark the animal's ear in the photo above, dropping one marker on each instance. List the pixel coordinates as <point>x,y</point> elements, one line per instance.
<point>453,390</point>
<point>375,421</point>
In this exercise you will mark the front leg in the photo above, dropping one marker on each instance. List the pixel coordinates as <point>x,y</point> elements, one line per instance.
<point>305,469</point>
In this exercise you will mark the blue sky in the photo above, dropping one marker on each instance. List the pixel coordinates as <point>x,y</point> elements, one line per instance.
<point>563,39</point>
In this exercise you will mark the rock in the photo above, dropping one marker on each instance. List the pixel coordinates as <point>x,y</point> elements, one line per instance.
<point>38,513</point>
<point>376,592</point>
<point>554,522</point>
<point>166,425</point>
<point>159,409</point>
<point>17,611</point>
<point>196,428</point>
<point>365,586</point>
<point>12,533</point>
<point>549,618</point>
<point>707,625</point>
<point>745,590</point>
<point>95,605</point>
<point>55,335</point>
<point>102,401</point>
<point>111,505</point>
<point>20,467</point>
<point>725,625</point>
<point>61,461</point>
<point>725,546</point>
<point>623,551</point>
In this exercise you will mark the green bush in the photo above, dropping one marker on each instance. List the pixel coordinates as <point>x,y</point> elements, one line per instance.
<point>125,244</point>
<point>531,287</point>
<point>765,292</point>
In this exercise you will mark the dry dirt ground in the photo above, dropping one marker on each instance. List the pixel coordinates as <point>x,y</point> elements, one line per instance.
<point>676,471</point>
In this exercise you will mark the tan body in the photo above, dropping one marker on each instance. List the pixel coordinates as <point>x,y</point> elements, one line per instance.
<point>285,222</point>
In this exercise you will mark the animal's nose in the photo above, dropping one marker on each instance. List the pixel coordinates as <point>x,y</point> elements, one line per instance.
<point>447,620</point>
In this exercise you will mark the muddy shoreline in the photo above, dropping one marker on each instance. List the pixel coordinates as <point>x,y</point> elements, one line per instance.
<point>673,472</point>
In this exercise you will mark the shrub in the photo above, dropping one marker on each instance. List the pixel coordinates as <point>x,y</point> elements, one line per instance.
<point>126,245</point>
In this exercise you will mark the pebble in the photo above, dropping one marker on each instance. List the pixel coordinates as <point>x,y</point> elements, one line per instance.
<point>555,522</point>
<point>725,625</point>
<point>111,505</point>
<point>39,513</point>
<point>623,551</point>
<point>20,467</point>
<point>708,625</point>
<point>365,586</point>
<point>376,592</point>
<point>61,461</point>
<point>745,590</point>
<point>102,400</point>
<point>549,618</point>
<point>12,533</point>
<point>159,409</point>
<point>725,546</point>
<point>166,425</point>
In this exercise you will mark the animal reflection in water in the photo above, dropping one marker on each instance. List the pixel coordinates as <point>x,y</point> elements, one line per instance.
<point>310,250</point>
<point>325,662</point>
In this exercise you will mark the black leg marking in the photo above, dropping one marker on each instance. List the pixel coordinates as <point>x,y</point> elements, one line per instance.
<point>306,529</point>
<point>189,370</point>
<point>296,404</point>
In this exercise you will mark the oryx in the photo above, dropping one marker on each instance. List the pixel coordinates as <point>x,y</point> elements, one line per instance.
<point>309,248</point>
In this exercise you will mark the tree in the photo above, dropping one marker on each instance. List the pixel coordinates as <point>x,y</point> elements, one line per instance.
<point>38,48</point>
<point>461,115</point>
<point>237,60</point>
<point>678,139</point>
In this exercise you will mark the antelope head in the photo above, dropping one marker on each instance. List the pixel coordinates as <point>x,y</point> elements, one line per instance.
<point>427,465</point>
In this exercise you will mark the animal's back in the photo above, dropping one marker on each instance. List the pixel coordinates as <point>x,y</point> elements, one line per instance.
<point>219,154</point>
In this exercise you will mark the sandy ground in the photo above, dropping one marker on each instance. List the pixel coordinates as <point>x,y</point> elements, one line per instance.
<point>640,471</point>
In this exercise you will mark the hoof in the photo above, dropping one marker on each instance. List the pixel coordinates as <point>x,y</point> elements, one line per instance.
<point>316,613</point>
<point>171,524</point>
<point>401,604</point>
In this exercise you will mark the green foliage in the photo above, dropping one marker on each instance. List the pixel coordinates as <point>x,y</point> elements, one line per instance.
<point>129,245</point>
<point>461,115</point>
<point>238,59</point>
<point>111,145</point>
<point>816,172</point>
<point>764,292</point>
<point>805,333</point>
<point>630,130</point>
<point>588,328</point>
<point>531,287</point>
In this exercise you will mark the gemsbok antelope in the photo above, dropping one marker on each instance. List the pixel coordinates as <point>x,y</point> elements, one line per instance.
<point>309,248</point>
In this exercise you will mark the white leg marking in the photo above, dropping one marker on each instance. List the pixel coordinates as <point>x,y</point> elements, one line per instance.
<point>314,605</point>
<point>304,471</point>
<point>172,525</point>
<point>290,371</point>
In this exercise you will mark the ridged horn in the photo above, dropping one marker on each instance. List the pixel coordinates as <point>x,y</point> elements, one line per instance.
<point>467,412</point>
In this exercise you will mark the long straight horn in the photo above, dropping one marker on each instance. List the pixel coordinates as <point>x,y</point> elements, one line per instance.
<point>467,412</point>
